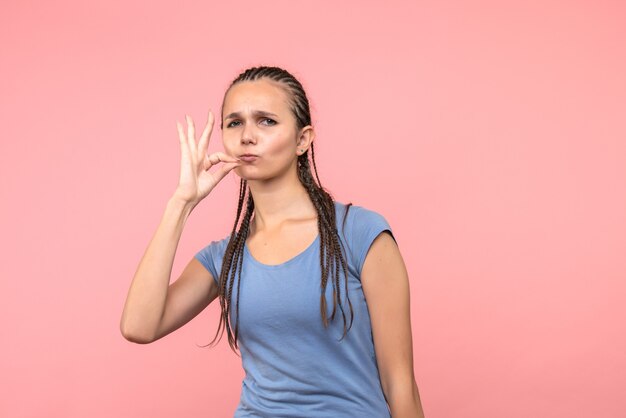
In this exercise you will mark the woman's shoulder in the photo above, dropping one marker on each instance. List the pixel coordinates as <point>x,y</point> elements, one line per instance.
<point>216,246</point>
<point>211,255</point>
<point>349,215</point>
<point>358,226</point>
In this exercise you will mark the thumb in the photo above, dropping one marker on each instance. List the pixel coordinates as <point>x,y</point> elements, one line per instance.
<point>224,169</point>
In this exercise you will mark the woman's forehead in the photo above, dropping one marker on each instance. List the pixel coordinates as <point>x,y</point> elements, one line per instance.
<point>255,95</point>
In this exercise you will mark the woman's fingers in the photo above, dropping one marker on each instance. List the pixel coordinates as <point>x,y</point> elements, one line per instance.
<point>194,157</point>
<point>184,146</point>
<point>216,157</point>
<point>191,134</point>
<point>224,169</point>
<point>196,182</point>
<point>203,145</point>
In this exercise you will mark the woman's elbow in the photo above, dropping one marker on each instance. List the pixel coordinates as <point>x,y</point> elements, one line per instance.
<point>134,336</point>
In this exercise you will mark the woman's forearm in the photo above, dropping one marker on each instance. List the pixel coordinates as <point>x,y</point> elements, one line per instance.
<point>404,402</point>
<point>146,298</point>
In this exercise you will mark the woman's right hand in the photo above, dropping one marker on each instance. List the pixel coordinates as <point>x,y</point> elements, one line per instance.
<point>195,180</point>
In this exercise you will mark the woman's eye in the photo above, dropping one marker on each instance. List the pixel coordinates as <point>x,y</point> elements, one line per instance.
<point>270,123</point>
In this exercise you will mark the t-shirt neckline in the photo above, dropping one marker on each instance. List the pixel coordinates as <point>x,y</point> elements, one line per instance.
<point>290,261</point>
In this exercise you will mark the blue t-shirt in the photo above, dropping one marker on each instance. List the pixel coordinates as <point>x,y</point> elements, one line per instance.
<point>294,367</point>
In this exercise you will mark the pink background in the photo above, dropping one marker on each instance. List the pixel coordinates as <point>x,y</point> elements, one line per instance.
<point>490,135</point>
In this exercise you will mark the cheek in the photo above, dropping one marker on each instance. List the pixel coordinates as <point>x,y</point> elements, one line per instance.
<point>282,147</point>
<point>228,149</point>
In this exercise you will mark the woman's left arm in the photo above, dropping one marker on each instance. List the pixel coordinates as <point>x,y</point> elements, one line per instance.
<point>386,287</point>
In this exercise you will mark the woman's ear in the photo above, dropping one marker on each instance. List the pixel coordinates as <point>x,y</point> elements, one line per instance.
<point>307,135</point>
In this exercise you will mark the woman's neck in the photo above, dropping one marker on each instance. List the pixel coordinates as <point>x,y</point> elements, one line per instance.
<point>279,200</point>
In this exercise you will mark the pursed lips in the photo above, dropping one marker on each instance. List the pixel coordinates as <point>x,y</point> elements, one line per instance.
<point>248,157</point>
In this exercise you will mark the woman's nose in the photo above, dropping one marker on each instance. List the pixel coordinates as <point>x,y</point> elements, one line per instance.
<point>247,136</point>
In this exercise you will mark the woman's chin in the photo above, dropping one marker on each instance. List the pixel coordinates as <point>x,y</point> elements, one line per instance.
<point>246,174</point>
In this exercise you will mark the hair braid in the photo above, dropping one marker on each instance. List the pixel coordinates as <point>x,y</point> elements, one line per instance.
<point>245,229</point>
<point>321,200</point>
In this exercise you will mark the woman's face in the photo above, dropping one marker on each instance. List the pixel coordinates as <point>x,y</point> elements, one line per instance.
<point>258,121</point>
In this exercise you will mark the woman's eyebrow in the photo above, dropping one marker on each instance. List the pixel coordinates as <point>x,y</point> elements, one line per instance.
<point>255,113</point>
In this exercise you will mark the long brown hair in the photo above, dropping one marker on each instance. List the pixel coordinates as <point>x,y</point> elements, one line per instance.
<point>331,256</point>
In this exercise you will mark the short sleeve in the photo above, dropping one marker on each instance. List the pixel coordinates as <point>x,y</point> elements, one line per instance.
<point>365,226</point>
<point>211,257</point>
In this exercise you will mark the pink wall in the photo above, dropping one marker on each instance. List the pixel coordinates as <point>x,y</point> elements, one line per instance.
<point>491,136</point>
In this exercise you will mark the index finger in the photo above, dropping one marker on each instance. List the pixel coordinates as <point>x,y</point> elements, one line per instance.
<point>218,156</point>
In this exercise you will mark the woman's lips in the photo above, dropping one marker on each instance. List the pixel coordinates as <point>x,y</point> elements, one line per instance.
<point>248,158</point>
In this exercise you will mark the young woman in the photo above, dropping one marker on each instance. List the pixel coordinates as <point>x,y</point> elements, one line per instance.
<point>313,292</point>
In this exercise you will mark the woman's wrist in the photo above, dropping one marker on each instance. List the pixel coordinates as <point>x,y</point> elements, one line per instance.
<point>179,204</point>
